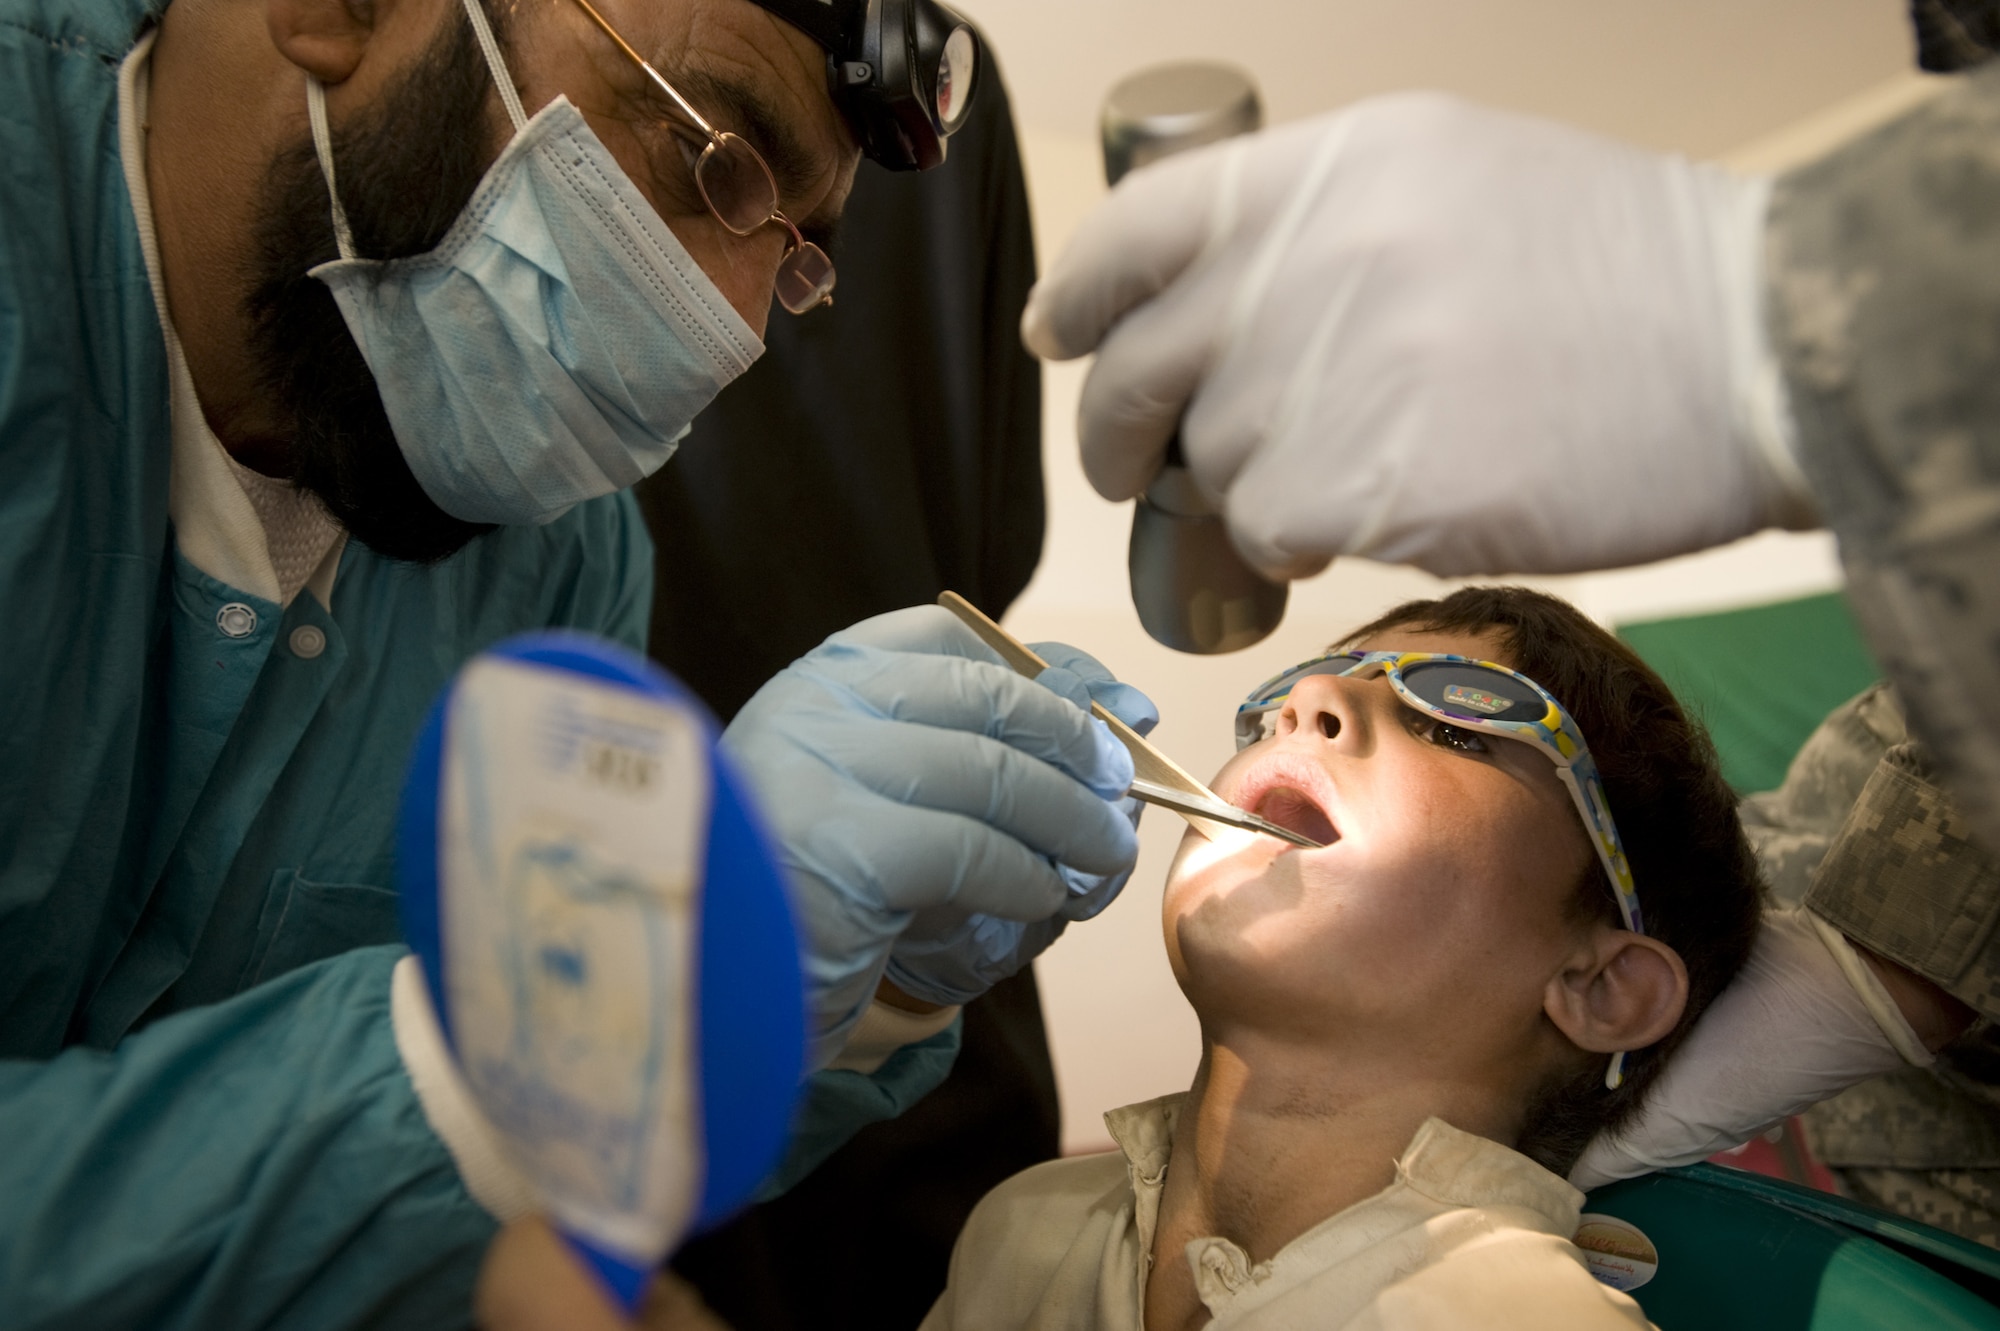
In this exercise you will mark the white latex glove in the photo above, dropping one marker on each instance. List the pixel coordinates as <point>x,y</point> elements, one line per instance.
<point>1427,332</point>
<point>1805,1019</point>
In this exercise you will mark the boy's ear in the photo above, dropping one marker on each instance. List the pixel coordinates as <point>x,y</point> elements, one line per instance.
<point>325,38</point>
<point>1620,991</point>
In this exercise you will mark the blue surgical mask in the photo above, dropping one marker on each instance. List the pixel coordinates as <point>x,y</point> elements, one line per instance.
<point>556,344</point>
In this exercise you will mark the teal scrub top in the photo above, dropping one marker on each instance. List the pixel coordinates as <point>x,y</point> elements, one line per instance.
<point>195,827</point>
<point>186,812</point>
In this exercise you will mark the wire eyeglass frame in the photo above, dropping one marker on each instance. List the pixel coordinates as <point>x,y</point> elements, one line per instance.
<point>736,184</point>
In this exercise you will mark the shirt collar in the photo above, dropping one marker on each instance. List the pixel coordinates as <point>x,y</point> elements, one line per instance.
<point>1450,1167</point>
<point>1145,1133</point>
<point>217,522</point>
<point>1469,1170</point>
<point>1442,1162</point>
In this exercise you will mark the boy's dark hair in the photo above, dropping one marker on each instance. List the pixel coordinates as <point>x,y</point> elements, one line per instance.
<point>1695,874</point>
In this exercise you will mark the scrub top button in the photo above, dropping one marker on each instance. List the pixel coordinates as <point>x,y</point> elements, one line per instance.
<point>236,620</point>
<point>308,641</point>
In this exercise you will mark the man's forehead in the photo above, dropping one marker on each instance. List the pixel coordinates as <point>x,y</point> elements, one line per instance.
<point>754,75</point>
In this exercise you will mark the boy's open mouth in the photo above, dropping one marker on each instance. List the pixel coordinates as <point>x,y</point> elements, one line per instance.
<point>1291,790</point>
<point>1289,807</point>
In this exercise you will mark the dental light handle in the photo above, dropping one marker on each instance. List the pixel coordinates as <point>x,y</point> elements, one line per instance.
<point>1193,591</point>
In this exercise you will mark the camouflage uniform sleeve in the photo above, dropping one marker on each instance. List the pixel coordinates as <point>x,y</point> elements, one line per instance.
<point>1884,284</point>
<point>1904,879</point>
<point>1899,875</point>
<point>1792,827</point>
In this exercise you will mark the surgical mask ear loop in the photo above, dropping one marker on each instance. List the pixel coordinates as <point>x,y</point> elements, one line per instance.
<point>501,78</point>
<point>343,235</point>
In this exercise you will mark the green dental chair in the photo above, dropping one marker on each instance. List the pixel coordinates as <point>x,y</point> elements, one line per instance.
<point>1741,1252</point>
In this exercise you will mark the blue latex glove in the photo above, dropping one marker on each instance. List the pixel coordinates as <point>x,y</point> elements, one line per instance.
<point>951,956</point>
<point>904,767</point>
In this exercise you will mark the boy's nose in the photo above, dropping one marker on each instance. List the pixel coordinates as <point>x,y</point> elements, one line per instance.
<point>1317,703</point>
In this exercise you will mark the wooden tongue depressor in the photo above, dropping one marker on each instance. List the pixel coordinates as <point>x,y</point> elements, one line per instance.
<point>1149,765</point>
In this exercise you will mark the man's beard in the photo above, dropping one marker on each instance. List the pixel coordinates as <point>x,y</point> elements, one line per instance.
<point>406,171</point>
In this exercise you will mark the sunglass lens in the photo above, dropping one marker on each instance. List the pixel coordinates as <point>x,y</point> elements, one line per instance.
<point>736,184</point>
<point>805,278</point>
<point>1474,693</point>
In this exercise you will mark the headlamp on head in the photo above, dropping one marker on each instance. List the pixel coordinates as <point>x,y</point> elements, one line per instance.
<point>903,72</point>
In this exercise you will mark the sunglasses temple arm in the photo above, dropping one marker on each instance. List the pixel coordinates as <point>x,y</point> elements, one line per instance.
<point>1614,1074</point>
<point>1567,775</point>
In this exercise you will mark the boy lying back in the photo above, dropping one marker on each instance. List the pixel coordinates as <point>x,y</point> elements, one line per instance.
<point>1409,1035</point>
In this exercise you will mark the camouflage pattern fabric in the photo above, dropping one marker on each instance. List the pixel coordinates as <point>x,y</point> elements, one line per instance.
<point>1884,283</point>
<point>1863,835</point>
<point>1792,826</point>
<point>1964,1201</point>
<point>1904,877</point>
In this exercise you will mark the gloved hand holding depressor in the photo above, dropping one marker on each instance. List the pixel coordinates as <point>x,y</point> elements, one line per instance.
<point>901,766</point>
<point>1423,331</point>
<point>1083,679</point>
<point>1804,1020</point>
<point>949,956</point>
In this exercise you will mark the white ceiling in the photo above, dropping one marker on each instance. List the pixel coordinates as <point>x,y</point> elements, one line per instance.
<point>1696,76</point>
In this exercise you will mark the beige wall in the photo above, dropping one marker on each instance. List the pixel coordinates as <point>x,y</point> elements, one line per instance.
<point>1703,78</point>
<point>1694,76</point>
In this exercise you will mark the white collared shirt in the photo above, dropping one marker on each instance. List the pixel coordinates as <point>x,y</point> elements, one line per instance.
<point>1469,1234</point>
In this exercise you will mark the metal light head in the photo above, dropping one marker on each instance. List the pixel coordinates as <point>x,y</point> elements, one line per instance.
<point>1190,585</point>
<point>1170,108</point>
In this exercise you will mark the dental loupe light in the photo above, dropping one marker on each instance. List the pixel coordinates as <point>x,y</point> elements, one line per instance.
<point>903,72</point>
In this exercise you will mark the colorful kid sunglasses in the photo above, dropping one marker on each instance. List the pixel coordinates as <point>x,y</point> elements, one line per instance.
<point>1490,700</point>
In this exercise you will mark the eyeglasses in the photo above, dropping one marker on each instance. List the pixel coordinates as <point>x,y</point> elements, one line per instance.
<point>1492,700</point>
<point>739,189</point>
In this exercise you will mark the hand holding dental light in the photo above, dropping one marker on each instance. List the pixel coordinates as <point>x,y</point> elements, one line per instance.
<point>1426,332</point>
<point>1422,331</point>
